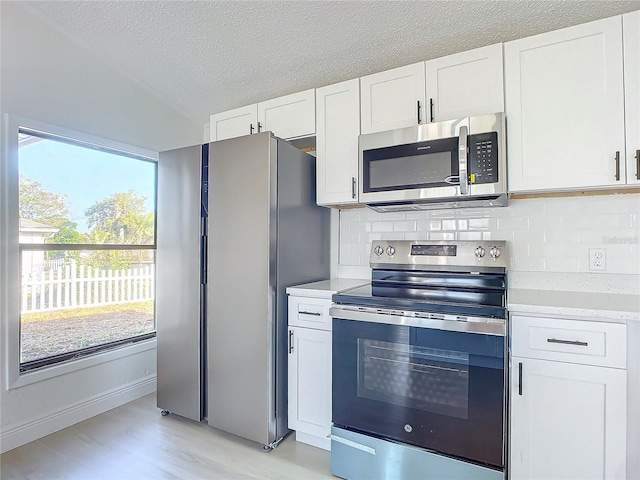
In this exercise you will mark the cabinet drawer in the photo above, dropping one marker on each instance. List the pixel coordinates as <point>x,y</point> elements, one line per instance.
<point>310,312</point>
<point>574,341</point>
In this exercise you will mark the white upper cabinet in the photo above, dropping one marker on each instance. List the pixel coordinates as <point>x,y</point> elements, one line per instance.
<point>234,123</point>
<point>461,85</point>
<point>338,124</point>
<point>393,98</point>
<point>287,117</point>
<point>631,43</point>
<point>465,84</point>
<point>290,116</point>
<point>565,108</point>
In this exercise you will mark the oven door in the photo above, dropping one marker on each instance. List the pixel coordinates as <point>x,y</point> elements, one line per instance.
<point>435,388</point>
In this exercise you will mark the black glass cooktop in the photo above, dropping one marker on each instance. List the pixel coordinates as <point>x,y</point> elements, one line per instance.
<point>455,294</point>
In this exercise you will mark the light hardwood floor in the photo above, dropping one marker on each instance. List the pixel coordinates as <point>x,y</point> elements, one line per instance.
<point>135,442</point>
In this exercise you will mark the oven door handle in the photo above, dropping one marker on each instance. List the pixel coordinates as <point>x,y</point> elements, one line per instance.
<point>493,326</point>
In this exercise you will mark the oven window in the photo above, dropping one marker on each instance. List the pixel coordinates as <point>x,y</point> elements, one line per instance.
<point>427,379</point>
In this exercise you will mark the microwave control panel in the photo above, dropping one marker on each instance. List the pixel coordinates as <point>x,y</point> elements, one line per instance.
<point>483,158</point>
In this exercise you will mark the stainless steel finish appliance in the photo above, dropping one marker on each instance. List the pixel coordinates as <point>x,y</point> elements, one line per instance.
<point>419,369</point>
<point>179,282</point>
<point>265,234</point>
<point>449,164</point>
<point>245,208</point>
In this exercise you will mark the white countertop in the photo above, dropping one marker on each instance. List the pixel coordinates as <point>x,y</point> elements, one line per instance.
<point>326,288</point>
<point>587,305</point>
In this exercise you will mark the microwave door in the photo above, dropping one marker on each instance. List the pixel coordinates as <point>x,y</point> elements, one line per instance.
<point>435,163</point>
<point>412,167</point>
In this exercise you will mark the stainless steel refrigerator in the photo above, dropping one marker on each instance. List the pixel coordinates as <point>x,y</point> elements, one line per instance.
<point>180,281</point>
<point>263,233</point>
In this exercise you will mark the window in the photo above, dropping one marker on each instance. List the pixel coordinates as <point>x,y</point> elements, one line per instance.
<point>87,243</point>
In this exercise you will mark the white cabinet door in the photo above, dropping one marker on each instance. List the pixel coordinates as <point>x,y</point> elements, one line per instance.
<point>393,98</point>
<point>465,84</point>
<point>234,123</point>
<point>567,421</point>
<point>338,123</point>
<point>310,383</point>
<point>565,107</point>
<point>290,116</point>
<point>631,42</point>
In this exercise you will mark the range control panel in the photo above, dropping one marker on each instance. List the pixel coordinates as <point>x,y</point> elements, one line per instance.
<point>422,254</point>
<point>483,158</point>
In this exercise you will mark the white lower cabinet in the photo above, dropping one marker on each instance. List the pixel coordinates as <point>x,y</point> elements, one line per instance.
<point>309,370</point>
<point>567,419</point>
<point>310,385</point>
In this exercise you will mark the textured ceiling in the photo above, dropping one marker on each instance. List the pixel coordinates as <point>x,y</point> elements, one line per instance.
<point>205,57</point>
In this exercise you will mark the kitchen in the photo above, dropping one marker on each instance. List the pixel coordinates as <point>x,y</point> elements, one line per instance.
<point>544,231</point>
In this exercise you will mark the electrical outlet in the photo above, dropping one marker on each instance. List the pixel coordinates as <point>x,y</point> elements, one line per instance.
<point>597,259</point>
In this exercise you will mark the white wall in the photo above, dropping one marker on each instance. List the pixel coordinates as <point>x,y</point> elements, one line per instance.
<point>47,77</point>
<point>548,239</point>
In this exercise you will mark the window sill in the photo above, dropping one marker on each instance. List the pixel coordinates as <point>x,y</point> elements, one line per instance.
<point>53,371</point>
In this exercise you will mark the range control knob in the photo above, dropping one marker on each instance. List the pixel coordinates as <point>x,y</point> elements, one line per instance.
<point>494,252</point>
<point>390,251</point>
<point>479,252</point>
<point>378,250</point>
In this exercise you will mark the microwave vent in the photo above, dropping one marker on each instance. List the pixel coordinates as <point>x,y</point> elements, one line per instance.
<point>442,204</point>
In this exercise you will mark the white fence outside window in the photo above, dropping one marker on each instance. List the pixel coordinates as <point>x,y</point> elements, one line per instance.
<point>84,286</point>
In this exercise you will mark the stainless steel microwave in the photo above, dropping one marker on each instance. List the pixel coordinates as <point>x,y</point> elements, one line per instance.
<point>449,164</point>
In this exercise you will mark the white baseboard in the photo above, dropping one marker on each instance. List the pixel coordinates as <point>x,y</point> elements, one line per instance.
<point>83,410</point>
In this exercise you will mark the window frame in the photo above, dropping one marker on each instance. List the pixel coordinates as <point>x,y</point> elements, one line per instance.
<point>10,253</point>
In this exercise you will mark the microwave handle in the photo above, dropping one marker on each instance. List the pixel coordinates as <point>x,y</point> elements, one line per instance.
<point>462,160</point>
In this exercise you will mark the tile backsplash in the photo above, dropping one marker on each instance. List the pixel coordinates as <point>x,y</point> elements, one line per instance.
<point>549,239</point>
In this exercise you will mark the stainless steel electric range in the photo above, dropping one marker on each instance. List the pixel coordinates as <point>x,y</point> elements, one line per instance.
<point>419,364</point>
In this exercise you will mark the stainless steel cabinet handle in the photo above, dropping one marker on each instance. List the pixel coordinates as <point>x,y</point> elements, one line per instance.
<point>353,187</point>
<point>618,166</point>
<point>638,164</point>
<point>419,118</point>
<point>290,341</point>
<point>520,378</point>
<point>567,342</point>
<point>431,109</point>
<point>317,314</point>
<point>251,128</point>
